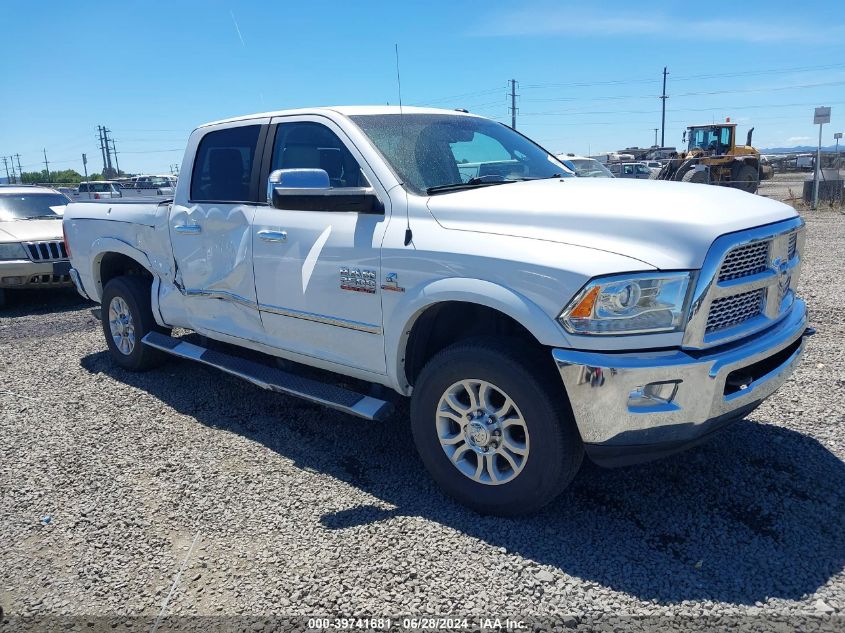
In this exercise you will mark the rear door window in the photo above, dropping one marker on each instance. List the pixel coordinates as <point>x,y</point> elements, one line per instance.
<point>223,166</point>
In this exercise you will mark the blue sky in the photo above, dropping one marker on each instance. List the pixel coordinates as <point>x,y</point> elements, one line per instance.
<point>588,73</point>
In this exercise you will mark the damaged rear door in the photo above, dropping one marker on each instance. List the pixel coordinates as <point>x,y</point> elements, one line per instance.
<point>211,230</point>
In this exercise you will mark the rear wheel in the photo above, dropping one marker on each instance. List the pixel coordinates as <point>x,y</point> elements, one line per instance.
<point>745,178</point>
<point>127,317</point>
<point>493,427</point>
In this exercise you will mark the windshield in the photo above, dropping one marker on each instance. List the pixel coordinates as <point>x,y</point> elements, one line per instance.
<point>31,205</point>
<point>716,138</point>
<point>435,150</point>
<point>589,168</point>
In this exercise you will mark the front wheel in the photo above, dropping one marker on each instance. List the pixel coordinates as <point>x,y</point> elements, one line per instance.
<point>493,427</point>
<point>746,178</point>
<point>127,318</point>
<point>697,176</point>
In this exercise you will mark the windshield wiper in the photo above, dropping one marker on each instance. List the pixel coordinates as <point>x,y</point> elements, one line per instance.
<point>41,217</point>
<point>472,183</point>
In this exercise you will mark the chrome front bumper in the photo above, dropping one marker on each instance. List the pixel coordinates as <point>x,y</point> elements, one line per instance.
<point>620,426</point>
<point>26,274</point>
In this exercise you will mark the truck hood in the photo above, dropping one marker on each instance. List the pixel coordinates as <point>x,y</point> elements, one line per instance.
<point>31,230</point>
<point>669,225</point>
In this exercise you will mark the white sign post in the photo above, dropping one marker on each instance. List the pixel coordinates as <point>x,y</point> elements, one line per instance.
<point>821,117</point>
<point>836,137</point>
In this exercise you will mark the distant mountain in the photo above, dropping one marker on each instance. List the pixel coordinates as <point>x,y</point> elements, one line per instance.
<point>801,149</point>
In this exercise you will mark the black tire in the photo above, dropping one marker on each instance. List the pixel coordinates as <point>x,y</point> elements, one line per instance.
<point>555,447</point>
<point>135,293</point>
<point>697,176</point>
<point>746,178</point>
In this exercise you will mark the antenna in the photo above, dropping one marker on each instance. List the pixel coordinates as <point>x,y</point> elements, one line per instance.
<point>408,234</point>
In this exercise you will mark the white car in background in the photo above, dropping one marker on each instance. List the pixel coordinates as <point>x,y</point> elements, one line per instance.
<point>584,167</point>
<point>32,252</point>
<point>98,190</point>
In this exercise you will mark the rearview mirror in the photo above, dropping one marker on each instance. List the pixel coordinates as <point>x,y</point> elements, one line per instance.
<point>311,190</point>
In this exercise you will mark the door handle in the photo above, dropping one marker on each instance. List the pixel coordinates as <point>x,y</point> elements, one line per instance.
<point>273,236</point>
<point>188,229</point>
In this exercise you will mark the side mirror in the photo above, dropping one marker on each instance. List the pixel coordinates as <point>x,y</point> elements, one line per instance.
<point>311,190</point>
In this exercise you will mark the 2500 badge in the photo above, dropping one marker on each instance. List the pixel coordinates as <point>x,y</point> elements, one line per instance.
<point>358,280</point>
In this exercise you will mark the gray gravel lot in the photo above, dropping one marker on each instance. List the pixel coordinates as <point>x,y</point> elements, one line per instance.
<point>107,477</point>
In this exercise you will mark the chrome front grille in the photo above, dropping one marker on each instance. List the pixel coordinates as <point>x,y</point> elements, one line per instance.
<point>746,283</point>
<point>47,251</point>
<point>736,309</point>
<point>746,260</point>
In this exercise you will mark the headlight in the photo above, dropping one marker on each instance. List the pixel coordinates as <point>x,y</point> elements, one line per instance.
<point>12,250</point>
<point>629,304</point>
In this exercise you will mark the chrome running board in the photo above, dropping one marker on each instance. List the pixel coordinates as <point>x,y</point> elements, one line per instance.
<point>274,379</point>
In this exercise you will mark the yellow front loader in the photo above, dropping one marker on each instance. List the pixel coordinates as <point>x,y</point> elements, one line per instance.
<point>712,156</point>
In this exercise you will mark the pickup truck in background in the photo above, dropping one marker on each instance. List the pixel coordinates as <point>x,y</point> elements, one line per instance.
<point>530,316</point>
<point>150,186</point>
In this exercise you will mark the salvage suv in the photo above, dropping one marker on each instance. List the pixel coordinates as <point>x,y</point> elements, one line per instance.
<point>32,253</point>
<point>530,316</point>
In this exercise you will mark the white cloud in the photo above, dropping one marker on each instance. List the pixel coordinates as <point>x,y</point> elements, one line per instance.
<point>798,139</point>
<point>558,20</point>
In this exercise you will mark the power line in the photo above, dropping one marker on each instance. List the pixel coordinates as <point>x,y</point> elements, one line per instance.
<point>706,109</point>
<point>644,80</point>
<point>156,151</point>
<point>461,96</point>
<point>772,89</point>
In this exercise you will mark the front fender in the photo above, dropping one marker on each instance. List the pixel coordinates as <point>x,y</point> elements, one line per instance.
<point>466,290</point>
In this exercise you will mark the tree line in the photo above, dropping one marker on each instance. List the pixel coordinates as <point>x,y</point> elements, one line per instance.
<point>69,176</point>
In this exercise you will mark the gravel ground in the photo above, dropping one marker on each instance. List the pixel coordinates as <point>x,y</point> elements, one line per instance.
<point>112,482</point>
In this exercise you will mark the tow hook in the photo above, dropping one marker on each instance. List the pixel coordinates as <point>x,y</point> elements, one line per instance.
<point>809,332</point>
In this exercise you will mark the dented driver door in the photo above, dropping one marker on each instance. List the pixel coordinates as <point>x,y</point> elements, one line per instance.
<point>211,231</point>
<point>317,272</point>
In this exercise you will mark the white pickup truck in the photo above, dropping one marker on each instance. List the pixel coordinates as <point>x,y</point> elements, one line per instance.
<point>529,315</point>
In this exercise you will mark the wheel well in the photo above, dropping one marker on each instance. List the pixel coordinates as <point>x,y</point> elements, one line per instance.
<point>446,323</point>
<point>116,264</point>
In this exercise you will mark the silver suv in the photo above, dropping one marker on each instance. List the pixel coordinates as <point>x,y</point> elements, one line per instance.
<point>32,251</point>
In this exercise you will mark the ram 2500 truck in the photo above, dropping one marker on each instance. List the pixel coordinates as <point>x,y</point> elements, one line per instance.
<point>531,316</point>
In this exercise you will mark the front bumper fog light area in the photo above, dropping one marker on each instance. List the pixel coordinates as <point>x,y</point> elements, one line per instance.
<point>654,395</point>
<point>14,281</point>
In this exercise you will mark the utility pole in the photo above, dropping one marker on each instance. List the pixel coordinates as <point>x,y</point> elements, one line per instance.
<point>20,171</point>
<point>46,165</point>
<point>655,137</point>
<point>6,165</point>
<point>12,163</point>
<point>513,103</point>
<point>116,164</point>
<point>108,149</point>
<point>102,146</point>
<point>663,118</point>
